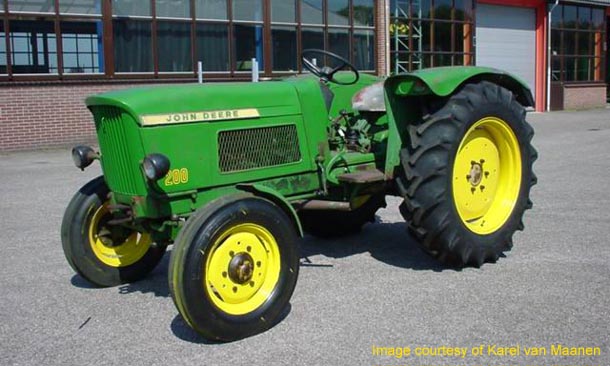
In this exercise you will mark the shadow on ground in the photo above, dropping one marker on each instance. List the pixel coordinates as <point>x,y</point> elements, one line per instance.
<point>387,242</point>
<point>187,334</point>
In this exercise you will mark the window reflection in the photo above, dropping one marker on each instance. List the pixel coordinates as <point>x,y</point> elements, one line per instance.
<point>89,7</point>
<point>131,7</point>
<point>284,46</point>
<point>248,44</point>
<point>82,47</point>
<point>31,6</point>
<point>213,46</point>
<point>338,12</point>
<point>311,12</point>
<point>132,46</point>
<point>249,10</point>
<point>211,9</point>
<point>174,46</point>
<point>33,47</point>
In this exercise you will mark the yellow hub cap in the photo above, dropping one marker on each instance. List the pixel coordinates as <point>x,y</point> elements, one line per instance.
<point>242,269</point>
<point>129,249</point>
<point>487,175</point>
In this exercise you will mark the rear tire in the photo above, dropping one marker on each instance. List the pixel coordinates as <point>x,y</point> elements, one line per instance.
<point>91,246</point>
<point>468,174</point>
<point>234,267</point>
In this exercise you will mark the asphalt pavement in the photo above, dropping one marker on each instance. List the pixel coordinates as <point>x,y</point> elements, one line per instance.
<point>360,300</point>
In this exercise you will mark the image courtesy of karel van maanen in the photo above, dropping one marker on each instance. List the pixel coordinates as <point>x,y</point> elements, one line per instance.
<point>489,350</point>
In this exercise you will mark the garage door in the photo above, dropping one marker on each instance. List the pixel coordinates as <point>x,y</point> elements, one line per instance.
<point>506,40</point>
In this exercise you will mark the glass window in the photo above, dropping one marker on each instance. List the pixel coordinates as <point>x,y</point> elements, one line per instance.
<point>82,47</point>
<point>247,44</point>
<point>283,11</point>
<point>32,6</point>
<point>33,47</point>
<point>89,7</point>
<point>463,10</point>
<point>598,19</point>
<point>249,10</point>
<point>338,42</point>
<point>364,13</point>
<point>213,46</point>
<point>556,15</point>
<point>174,46</point>
<point>459,37</point>
<point>312,38</point>
<point>131,8</point>
<point>423,7</point>
<point>211,9</point>
<point>442,9</point>
<point>584,18</point>
<point>311,12</point>
<point>364,49</point>
<point>442,37</point>
<point>284,48</point>
<point>132,46</point>
<point>338,12</point>
<point>585,43</point>
<point>569,16</point>
<point>173,8</point>
<point>3,57</point>
<point>577,52</point>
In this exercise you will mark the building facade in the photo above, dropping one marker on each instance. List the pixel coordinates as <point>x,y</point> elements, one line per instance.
<point>53,53</point>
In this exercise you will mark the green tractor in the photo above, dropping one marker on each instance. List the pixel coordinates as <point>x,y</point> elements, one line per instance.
<point>232,174</point>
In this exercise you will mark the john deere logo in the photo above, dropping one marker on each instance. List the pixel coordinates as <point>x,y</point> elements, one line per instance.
<point>203,116</point>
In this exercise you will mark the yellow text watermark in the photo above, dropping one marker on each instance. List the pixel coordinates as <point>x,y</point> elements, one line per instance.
<point>493,350</point>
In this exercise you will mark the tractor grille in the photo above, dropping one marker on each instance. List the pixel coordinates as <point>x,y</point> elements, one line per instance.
<point>116,157</point>
<point>254,148</point>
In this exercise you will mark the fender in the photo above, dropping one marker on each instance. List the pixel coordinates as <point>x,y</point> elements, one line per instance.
<point>441,82</point>
<point>444,81</point>
<point>277,198</point>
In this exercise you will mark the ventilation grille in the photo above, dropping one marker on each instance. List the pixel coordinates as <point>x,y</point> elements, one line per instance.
<point>258,148</point>
<point>112,135</point>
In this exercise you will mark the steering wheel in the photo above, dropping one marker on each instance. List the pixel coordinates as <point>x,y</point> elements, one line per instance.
<point>326,73</point>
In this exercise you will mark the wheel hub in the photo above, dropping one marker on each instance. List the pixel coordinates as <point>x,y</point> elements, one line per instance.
<point>476,174</point>
<point>241,268</point>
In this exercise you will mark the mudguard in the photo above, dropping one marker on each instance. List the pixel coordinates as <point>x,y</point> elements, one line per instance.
<point>441,82</point>
<point>444,81</point>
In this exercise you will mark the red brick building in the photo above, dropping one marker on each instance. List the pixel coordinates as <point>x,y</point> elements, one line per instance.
<point>53,53</point>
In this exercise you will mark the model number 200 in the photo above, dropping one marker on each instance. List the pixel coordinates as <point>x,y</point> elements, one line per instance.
<point>176,176</point>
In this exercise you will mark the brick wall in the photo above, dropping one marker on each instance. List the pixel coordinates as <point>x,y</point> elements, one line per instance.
<point>45,116</point>
<point>584,97</point>
<point>382,34</point>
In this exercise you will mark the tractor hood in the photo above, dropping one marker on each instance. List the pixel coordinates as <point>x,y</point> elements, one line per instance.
<point>175,104</point>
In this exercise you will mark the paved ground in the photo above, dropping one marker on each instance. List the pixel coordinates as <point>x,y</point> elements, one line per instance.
<point>376,289</point>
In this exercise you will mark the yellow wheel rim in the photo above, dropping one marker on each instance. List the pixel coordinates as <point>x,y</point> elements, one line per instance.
<point>487,175</point>
<point>242,269</point>
<point>129,251</point>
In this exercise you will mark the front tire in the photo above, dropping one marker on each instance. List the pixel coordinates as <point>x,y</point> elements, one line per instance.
<point>468,172</point>
<point>234,267</point>
<point>105,255</point>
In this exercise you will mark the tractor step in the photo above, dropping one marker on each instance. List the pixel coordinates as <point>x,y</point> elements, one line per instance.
<point>363,176</point>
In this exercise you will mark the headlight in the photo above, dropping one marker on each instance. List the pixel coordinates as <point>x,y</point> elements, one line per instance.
<point>83,156</point>
<point>155,166</point>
